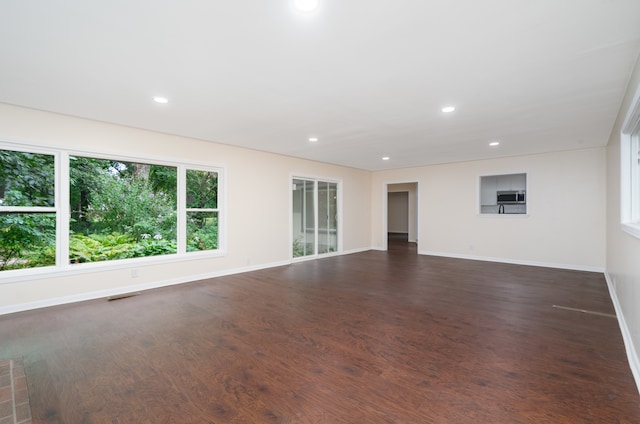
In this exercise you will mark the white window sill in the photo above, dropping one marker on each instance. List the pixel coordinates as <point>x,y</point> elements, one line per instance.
<point>15,276</point>
<point>504,215</point>
<point>631,228</point>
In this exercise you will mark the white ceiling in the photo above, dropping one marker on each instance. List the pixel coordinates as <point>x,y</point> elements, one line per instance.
<point>367,77</point>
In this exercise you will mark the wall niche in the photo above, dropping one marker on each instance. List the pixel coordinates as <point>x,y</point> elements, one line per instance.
<point>503,194</point>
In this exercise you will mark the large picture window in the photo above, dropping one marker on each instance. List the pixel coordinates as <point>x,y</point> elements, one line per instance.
<point>121,209</point>
<point>117,209</point>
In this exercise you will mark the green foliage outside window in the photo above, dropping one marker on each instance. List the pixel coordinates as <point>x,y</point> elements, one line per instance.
<point>118,210</point>
<point>26,180</point>
<point>202,231</point>
<point>22,236</point>
<point>121,209</point>
<point>202,216</point>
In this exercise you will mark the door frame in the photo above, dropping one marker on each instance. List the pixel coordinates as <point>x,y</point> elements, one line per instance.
<point>339,221</point>
<point>385,211</point>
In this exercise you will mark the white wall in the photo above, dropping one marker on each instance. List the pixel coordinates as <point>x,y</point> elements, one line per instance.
<point>258,204</point>
<point>623,250</point>
<point>564,227</point>
<point>398,212</point>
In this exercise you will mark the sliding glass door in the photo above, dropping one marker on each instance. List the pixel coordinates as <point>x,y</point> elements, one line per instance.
<point>304,218</point>
<point>327,217</point>
<point>315,217</point>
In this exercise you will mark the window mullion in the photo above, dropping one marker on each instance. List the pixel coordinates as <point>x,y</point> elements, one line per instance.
<point>316,215</point>
<point>202,210</point>
<point>182,210</point>
<point>29,209</point>
<point>63,212</point>
<point>634,174</point>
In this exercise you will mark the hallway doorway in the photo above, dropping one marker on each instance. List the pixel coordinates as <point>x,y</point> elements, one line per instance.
<point>401,215</point>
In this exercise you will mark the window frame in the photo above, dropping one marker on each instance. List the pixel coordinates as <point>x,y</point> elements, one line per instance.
<point>630,169</point>
<point>183,211</point>
<point>56,209</point>
<point>62,209</point>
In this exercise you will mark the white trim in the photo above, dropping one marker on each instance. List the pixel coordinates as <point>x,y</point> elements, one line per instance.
<point>290,195</point>
<point>157,284</point>
<point>339,221</point>
<point>629,192</point>
<point>29,209</point>
<point>8,143</point>
<point>340,218</point>
<point>632,120</point>
<point>385,216</point>
<point>503,215</point>
<point>385,212</point>
<point>329,255</point>
<point>128,289</point>
<point>359,250</point>
<point>514,261</point>
<point>632,355</point>
<point>303,176</point>
<point>19,275</point>
<point>313,257</point>
<point>181,213</point>
<point>632,229</point>
<point>63,204</point>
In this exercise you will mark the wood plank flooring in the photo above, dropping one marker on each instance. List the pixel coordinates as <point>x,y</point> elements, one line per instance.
<point>373,337</point>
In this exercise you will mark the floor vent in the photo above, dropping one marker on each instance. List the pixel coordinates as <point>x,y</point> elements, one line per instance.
<point>584,311</point>
<point>122,296</point>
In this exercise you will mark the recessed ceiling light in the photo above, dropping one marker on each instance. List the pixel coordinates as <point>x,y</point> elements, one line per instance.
<point>162,100</point>
<point>306,5</point>
<point>386,158</point>
<point>313,139</point>
<point>494,143</point>
<point>448,109</point>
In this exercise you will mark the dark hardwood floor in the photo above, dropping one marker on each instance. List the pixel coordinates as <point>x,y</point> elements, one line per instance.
<point>374,337</point>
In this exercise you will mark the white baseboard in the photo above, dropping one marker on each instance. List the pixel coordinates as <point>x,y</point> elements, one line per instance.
<point>360,250</point>
<point>129,289</point>
<point>515,261</point>
<point>116,291</point>
<point>632,355</point>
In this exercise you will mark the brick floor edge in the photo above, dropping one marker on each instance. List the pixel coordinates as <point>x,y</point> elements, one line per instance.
<point>14,397</point>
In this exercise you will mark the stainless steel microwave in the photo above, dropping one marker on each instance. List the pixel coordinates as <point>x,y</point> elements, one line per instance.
<point>511,197</point>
